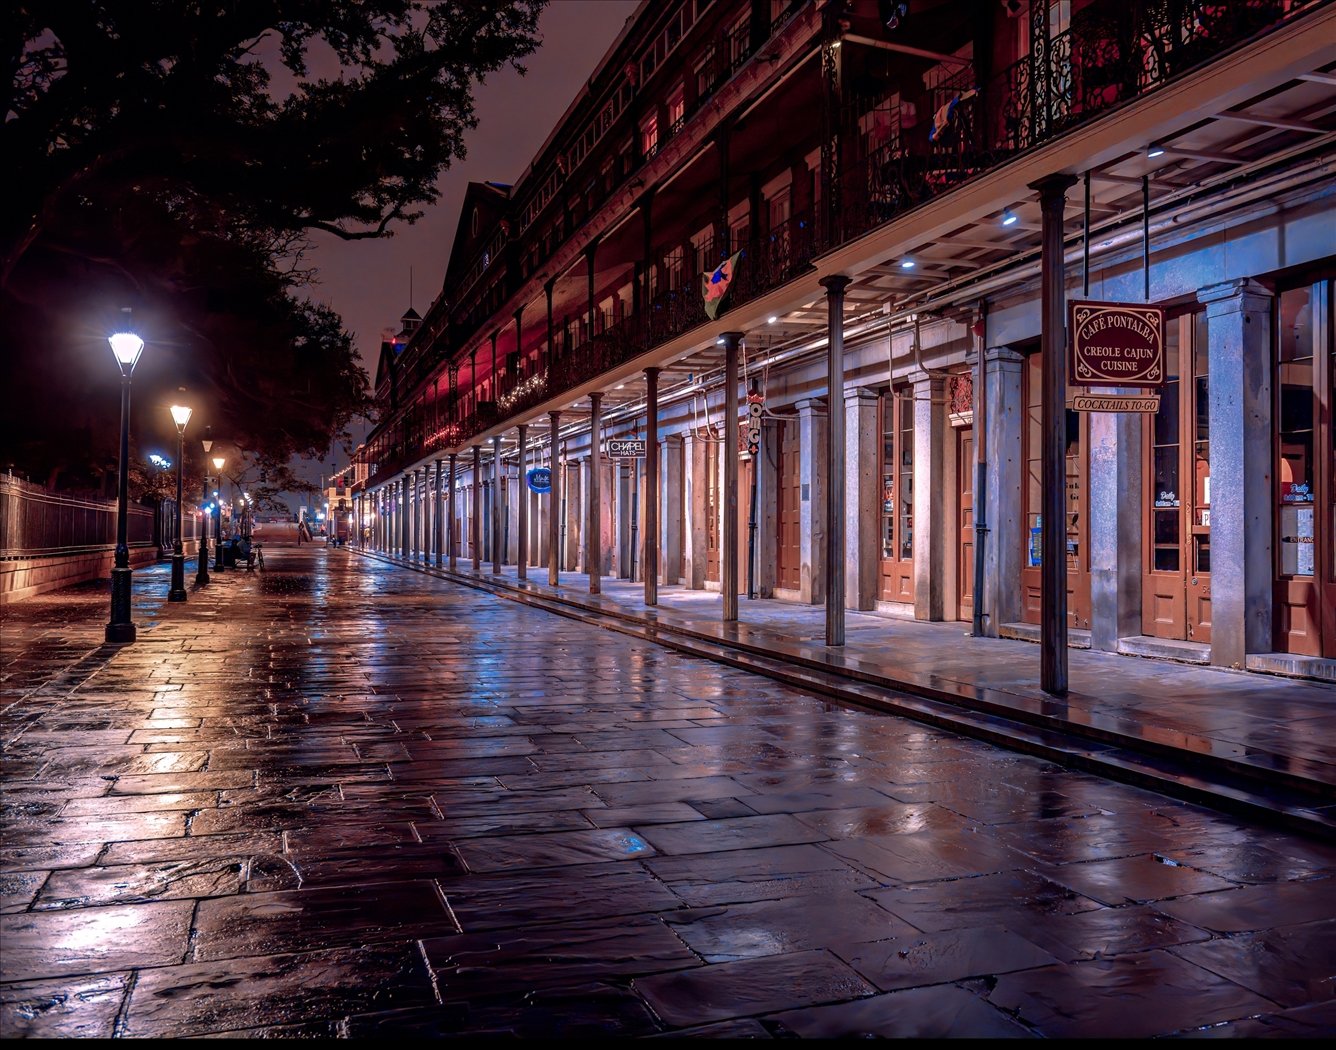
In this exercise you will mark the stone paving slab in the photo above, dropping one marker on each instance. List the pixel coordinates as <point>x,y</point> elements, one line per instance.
<point>341,799</point>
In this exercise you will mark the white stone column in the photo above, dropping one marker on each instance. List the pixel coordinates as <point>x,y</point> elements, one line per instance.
<point>609,476</point>
<point>1115,488</point>
<point>766,467</point>
<point>931,505</point>
<point>812,478</point>
<point>694,557</point>
<point>862,499</point>
<point>1238,322</point>
<point>1004,478</point>
<point>670,509</point>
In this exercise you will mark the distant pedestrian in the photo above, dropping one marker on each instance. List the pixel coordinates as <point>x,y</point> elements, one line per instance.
<point>302,534</point>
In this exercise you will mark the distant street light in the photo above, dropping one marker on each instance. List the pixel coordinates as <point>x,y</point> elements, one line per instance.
<point>202,559</point>
<point>180,416</point>
<point>126,346</point>
<point>218,462</point>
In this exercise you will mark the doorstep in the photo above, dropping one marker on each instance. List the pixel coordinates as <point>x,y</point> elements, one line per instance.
<point>1029,632</point>
<point>1293,664</point>
<point>1165,649</point>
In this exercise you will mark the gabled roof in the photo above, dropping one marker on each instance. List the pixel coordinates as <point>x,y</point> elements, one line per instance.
<point>490,198</point>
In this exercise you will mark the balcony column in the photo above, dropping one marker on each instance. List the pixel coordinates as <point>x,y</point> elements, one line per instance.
<point>473,382</point>
<point>475,526</point>
<point>554,500</point>
<point>649,506</point>
<point>593,492</point>
<point>519,343</point>
<point>1053,467</point>
<point>548,288</point>
<point>670,510</point>
<point>522,549</point>
<point>695,538</point>
<point>498,481</point>
<point>645,265</point>
<point>811,479</point>
<point>832,113</point>
<point>405,538</point>
<point>590,253</point>
<point>728,557</point>
<point>1238,334</point>
<point>423,509</point>
<point>450,522</point>
<point>723,137</point>
<point>835,491</point>
<point>492,388</point>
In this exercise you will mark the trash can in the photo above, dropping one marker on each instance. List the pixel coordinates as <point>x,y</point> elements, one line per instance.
<point>229,556</point>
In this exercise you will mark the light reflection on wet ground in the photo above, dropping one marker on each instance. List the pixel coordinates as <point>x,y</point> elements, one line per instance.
<point>339,798</point>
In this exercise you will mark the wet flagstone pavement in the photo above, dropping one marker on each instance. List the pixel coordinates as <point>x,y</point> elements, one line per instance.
<point>340,798</point>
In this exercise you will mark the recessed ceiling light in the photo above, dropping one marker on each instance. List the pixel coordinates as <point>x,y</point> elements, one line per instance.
<point>1154,150</point>
<point>771,319</point>
<point>1008,217</point>
<point>906,264</point>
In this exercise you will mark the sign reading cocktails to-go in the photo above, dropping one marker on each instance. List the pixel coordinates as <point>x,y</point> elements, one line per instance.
<point>1115,344</point>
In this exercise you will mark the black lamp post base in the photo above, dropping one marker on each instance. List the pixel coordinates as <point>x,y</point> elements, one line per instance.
<point>178,591</point>
<point>120,629</point>
<point>120,633</point>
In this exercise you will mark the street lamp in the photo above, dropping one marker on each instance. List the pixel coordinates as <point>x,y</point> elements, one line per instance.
<point>202,560</point>
<point>180,416</point>
<point>218,462</point>
<point>126,346</point>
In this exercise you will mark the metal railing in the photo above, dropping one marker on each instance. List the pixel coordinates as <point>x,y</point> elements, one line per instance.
<point>36,523</point>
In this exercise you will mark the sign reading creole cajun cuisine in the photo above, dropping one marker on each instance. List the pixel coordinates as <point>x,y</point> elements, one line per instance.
<point>1115,344</point>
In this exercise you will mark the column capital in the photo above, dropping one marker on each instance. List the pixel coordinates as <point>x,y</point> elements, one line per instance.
<point>670,439</point>
<point>734,337</point>
<point>935,382</point>
<point>835,283</point>
<point>1053,186</point>
<point>1243,294</point>
<point>809,405</point>
<point>1003,355</point>
<point>860,393</point>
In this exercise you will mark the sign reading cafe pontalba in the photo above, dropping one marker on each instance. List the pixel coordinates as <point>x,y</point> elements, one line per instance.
<point>1115,344</point>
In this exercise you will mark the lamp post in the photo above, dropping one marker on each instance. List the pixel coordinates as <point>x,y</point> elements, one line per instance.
<point>126,346</point>
<point>218,462</point>
<point>202,561</point>
<point>180,416</point>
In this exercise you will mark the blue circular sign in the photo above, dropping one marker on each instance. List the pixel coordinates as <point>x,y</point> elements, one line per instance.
<point>540,479</point>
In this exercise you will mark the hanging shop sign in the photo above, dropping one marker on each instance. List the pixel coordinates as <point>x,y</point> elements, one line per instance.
<point>1115,344</point>
<point>625,448</point>
<point>1116,403</point>
<point>540,479</point>
<point>749,431</point>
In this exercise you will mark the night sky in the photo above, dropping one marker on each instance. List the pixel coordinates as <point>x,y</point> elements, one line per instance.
<point>367,282</point>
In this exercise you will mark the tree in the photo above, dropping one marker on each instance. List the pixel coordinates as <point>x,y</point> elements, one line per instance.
<point>175,158</point>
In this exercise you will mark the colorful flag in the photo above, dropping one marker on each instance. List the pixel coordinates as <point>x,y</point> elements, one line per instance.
<point>716,284</point>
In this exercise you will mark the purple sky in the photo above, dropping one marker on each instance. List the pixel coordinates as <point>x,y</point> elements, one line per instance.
<point>367,281</point>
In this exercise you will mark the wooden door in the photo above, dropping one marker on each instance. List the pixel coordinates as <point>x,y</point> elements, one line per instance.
<point>1077,524</point>
<point>789,539</point>
<point>965,470</point>
<point>1176,568</point>
<point>1304,385</point>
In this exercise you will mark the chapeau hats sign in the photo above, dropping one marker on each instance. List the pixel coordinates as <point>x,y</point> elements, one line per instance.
<point>1115,344</point>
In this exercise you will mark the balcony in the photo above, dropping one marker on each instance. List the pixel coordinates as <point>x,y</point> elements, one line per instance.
<point>923,148</point>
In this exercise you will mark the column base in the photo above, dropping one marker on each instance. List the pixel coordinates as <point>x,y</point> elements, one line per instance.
<point>120,633</point>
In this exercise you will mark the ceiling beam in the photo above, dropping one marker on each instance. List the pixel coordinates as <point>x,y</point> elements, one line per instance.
<point>1273,122</point>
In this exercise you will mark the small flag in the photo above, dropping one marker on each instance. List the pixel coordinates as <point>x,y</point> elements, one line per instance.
<point>716,284</point>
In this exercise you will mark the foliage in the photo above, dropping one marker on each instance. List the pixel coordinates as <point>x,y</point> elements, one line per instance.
<point>176,158</point>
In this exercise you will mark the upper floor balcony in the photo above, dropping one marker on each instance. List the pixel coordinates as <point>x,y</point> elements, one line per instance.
<point>886,149</point>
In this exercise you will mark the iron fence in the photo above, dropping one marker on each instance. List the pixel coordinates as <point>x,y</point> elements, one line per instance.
<point>37,523</point>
